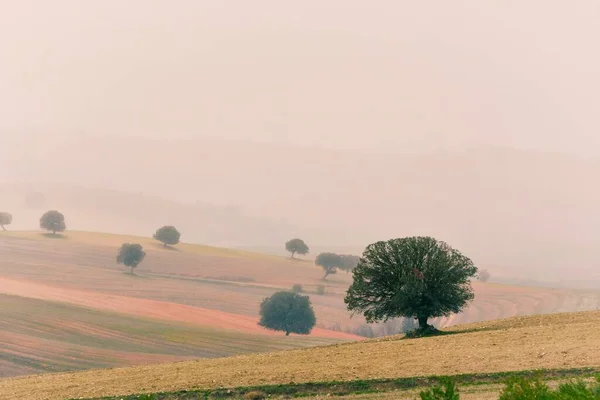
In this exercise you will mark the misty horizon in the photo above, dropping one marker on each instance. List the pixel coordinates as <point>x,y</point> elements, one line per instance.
<point>345,123</point>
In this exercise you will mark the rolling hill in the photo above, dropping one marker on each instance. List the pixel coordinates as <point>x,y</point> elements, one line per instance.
<point>199,297</point>
<point>521,214</point>
<point>561,342</point>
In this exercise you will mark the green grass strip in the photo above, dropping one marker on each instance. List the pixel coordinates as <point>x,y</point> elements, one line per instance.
<point>341,388</point>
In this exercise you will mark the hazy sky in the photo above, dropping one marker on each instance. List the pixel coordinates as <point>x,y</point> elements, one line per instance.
<point>389,75</point>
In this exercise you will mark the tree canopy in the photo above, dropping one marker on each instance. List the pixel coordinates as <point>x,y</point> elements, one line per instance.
<point>5,219</point>
<point>168,235</point>
<point>330,262</point>
<point>130,255</point>
<point>287,312</point>
<point>349,262</point>
<point>296,246</point>
<point>53,221</point>
<point>414,277</point>
<point>483,275</point>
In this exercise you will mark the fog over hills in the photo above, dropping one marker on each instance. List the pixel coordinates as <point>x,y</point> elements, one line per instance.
<point>246,123</point>
<point>518,212</point>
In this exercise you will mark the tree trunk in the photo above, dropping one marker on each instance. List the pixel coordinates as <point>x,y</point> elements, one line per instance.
<point>293,252</point>
<point>165,244</point>
<point>423,321</point>
<point>287,333</point>
<point>3,228</point>
<point>131,271</point>
<point>326,275</point>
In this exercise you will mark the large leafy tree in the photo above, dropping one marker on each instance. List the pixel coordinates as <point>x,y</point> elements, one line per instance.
<point>5,219</point>
<point>168,235</point>
<point>296,246</point>
<point>330,262</point>
<point>53,221</point>
<point>414,277</point>
<point>130,255</point>
<point>287,312</point>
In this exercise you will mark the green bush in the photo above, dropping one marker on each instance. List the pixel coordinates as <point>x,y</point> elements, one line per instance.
<point>321,290</point>
<point>297,288</point>
<point>535,389</point>
<point>524,389</point>
<point>447,391</point>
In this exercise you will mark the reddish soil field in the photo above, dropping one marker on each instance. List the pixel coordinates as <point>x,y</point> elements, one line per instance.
<point>149,308</point>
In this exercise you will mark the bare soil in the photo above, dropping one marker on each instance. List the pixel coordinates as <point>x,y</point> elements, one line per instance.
<point>540,342</point>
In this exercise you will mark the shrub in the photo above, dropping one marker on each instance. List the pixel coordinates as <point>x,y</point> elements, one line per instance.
<point>168,235</point>
<point>296,246</point>
<point>483,275</point>
<point>330,262</point>
<point>255,395</point>
<point>364,330</point>
<point>297,288</point>
<point>287,312</point>
<point>521,388</point>
<point>447,391</point>
<point>53,221</point>
<point>130,255</point>
<point>5,219</point>
<point>321,290</point>
<point>535,389</point>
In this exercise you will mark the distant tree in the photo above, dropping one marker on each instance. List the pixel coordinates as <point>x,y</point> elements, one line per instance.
<point>296,246</point>
<point>408,324</point>
<point>130,255</point>
<point>168,235</point>
<point>484,275</point>
<point>287,312</point>
<point>5,219</point>
<point>330,262</point>
<point>53,221</point>
<point>320,290</point>
<point>297,288</point>
<point>414,277</point>
<point>349,262</point>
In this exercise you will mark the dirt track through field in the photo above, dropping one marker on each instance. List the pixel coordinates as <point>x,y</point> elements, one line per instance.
<point>148,308</point>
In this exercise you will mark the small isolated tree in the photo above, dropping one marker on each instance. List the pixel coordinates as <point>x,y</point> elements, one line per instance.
<point>297,288</point>
<point>53,221</point>
<point>287,312</point>
<point>168,235</point>
<point>349,262</point>
<point>330,262</point>
<point>5,219</point>
<point>484,275</point>
<point>130,255</point>
<point>296,246</point>
<point>415,277</point>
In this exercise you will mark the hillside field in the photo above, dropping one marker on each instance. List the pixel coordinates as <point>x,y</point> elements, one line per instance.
<point>43,336</point>
<point>208,296</point>
<point>558,341</point>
